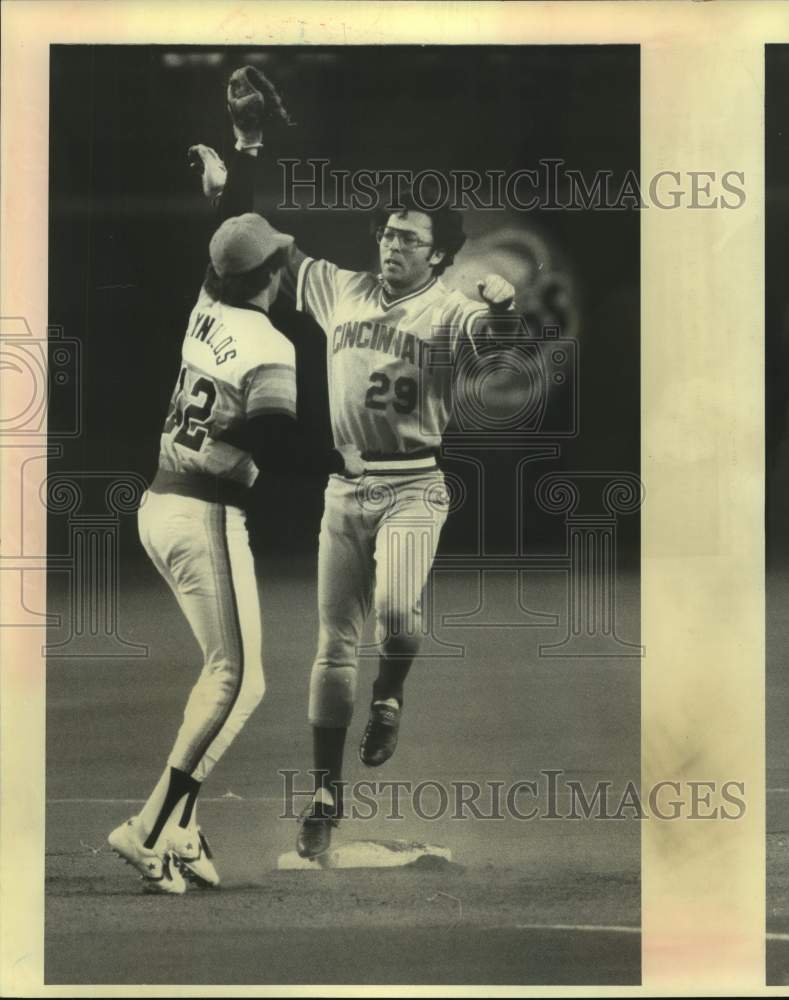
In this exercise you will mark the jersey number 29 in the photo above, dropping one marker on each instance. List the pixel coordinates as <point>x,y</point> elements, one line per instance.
<point>404,393</point>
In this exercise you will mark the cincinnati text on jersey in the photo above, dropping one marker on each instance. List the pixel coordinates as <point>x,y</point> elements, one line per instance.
<point>377,337</point>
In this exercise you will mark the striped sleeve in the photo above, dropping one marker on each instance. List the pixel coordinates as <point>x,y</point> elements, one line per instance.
<point>474,322</point>
<point>465,320</point>
<point>271,388</point>
<point>318,289</point>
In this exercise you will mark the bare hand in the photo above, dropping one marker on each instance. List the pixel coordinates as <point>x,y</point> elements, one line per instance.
<point>496,291</point>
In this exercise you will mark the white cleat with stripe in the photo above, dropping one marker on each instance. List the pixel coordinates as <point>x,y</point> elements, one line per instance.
<point>192,855</point>
<point>157,868</point>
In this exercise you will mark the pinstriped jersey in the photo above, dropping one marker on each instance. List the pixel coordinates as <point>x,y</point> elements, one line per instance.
<point>390,360</point>
<point>235,366</point>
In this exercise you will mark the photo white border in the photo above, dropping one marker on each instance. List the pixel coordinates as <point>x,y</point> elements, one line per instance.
<point>702,336</point>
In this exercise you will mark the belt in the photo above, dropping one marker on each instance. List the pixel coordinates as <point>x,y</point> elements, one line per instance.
<point>397,463</point>
<point>200,486</point>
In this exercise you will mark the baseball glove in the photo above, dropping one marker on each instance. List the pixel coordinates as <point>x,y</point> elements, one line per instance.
<point>253,101</point>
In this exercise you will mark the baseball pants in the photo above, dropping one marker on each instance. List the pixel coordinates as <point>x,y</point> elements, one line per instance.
<point>378,540</point>
<point>202,551</point>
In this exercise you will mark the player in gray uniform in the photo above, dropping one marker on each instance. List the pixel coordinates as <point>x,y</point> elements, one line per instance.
<point>237,375</point>
<point>392,338</point>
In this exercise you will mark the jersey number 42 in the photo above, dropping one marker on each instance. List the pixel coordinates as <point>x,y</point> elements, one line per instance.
<point>191,419</point>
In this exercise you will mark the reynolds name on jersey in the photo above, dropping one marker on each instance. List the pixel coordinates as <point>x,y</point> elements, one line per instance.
<point>211,331</point>
<point>235,367</point>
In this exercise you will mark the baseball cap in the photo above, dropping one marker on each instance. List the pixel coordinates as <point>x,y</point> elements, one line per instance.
<point>243,243</point>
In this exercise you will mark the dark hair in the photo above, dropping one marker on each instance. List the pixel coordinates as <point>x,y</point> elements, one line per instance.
<point>236,289</point>
<point>447,222</point>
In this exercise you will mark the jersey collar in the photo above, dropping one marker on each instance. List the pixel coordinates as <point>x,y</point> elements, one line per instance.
<point>389,302</point>
<point>252,307</point>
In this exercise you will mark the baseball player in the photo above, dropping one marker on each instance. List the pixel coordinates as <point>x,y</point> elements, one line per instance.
<point>237,376</point>
<point>391,341</point>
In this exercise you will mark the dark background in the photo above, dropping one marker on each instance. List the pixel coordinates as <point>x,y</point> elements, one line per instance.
<point>129,230</point>
<point>129,233</point>
<point>776,299</point>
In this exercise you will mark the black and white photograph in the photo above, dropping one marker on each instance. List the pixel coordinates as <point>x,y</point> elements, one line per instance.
<point>394,490</point>
<point>343,495</point>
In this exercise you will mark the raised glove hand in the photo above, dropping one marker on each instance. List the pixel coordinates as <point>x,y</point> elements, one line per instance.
<point>253,100</point>
<point>247,105</point>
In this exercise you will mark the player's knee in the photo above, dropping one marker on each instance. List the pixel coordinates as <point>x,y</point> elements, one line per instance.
<point>336,648</point>
<point>224,679</point>
<point>332,694</point>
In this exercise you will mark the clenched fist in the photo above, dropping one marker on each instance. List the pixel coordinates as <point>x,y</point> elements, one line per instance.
<point>496,291</point>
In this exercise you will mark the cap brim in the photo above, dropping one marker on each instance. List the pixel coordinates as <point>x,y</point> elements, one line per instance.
<point>282,240</point>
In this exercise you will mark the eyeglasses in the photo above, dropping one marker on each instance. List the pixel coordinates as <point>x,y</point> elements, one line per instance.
<point>406,240</point>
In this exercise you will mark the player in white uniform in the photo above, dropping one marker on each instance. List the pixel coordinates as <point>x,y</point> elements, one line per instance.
<point>391,342</point>
<point>237,375</point>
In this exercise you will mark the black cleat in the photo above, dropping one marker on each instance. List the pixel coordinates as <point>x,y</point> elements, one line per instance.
<point>316,824</point>
<point>379,740</point>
